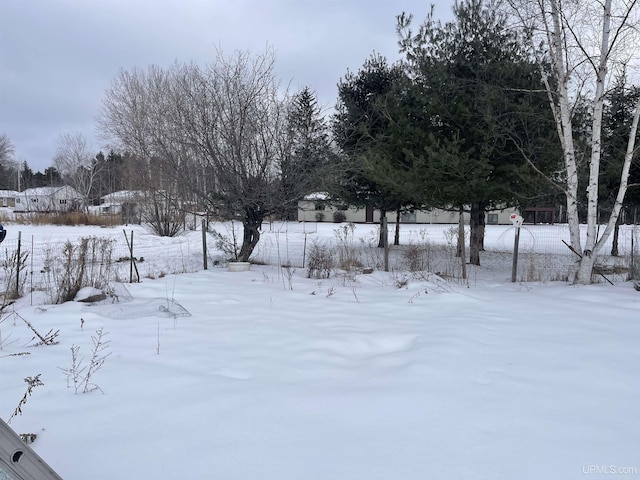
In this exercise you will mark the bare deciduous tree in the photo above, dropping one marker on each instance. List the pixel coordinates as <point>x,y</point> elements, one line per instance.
<point>6,148</point>
<point>219,133</point>
<point>579,44</point>
<point>77,164</point>
<point>8,163</point>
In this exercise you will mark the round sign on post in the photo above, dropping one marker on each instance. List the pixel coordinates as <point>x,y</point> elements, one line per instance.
<point>516,220</point>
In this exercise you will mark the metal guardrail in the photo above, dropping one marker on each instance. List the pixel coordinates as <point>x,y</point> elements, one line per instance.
<point>18,461</point>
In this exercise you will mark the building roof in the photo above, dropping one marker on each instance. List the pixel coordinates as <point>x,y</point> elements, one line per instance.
<point>317,196</point>
<point>122,196</point>
<point>47,191</point>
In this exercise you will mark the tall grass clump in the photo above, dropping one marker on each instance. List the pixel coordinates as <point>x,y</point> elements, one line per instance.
<point>14,275</point>
<point>86,263</point>
<point>347,252</point>
<point>320,263</point>
<point>418,257</point>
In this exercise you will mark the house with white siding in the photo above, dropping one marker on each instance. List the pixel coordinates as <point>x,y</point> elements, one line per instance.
<point>128,203</point>
<point>48,200</point>
<point>8,198</point>
<point>319,207</point>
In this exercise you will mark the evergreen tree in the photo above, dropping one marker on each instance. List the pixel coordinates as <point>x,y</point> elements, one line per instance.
<point>617,117</point>
<point>363,131</point>
<point>616,124</point>
<point>53,177</point>
<point>26,177</point>
<point>486,101</point>
<point>311,151</point>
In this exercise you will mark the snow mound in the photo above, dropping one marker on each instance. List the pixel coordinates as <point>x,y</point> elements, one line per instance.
<point>138,308</point>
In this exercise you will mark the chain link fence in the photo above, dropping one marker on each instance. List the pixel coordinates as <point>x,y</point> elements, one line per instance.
<point>29,264</point>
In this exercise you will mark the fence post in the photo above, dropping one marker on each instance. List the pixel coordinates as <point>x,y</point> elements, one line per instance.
<point>204,244</point>
<point>18,264</point>
<point>517,222</point>
<point>132,260</point>
<point>385,240</point>
<point>304,249</point>
<point>635,268</point>
<point>461,243</point>
<point>514,266</point>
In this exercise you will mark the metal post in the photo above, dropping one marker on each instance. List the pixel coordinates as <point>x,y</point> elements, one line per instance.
<point>304,250</point>
<point>18,264</point>
<point>385,240</point>
<point>204,244</point>
<point>516,244</point>
<point>461,242</point>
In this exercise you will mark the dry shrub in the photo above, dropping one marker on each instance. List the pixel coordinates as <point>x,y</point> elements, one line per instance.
<point>87,263</point>
<point>339,216</point>
<point>320,262</point>
<point>417,258</point>
<point>347,252</point>
<point>14,273</point>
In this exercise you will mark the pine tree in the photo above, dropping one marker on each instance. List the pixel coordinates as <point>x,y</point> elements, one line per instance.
<point>485,100</point>
<point>311,151</point>
<point>616,123</point>
<point>363,130</point>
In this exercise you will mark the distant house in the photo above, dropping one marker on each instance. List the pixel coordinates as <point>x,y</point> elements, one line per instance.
<point>8,198</point>
<point>48,199</point>
<point>319,207</point>
<point>127,203</point>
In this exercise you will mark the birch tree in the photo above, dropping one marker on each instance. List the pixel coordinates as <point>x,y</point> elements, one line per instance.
<point>579,44</point>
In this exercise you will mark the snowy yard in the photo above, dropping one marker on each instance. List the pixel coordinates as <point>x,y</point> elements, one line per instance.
<point>271,375</point>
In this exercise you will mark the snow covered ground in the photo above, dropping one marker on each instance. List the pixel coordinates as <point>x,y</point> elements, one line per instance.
<point>267,374</point>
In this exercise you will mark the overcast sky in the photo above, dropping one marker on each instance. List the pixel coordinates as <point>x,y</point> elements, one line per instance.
<point>58,57</point>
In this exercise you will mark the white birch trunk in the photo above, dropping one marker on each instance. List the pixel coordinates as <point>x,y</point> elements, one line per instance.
<point>548,20</point>
<point>563,119</point>
<point>583,275</point>
<point>622,190</point>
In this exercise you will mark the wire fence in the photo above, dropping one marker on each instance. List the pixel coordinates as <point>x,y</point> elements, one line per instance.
<point>543,253</point>
<point>29,264</point>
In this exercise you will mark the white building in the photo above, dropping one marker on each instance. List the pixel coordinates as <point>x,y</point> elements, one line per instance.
<point>48,199</point>
<point>318,207</point>
<point>8,198</point>
<point>128,203</point>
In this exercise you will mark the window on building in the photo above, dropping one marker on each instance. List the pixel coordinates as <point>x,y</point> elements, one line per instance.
<point>63,201</point>
<point>492,218</point>
<point>408,217</point>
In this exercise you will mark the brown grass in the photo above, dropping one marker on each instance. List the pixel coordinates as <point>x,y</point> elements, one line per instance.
<point>61,218</point>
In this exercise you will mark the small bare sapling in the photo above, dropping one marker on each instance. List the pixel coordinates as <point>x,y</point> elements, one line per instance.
<point>81,376</point>
<point>32,382</point>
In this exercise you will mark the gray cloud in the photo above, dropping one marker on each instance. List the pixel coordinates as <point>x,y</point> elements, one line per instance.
<point>58,57</point>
